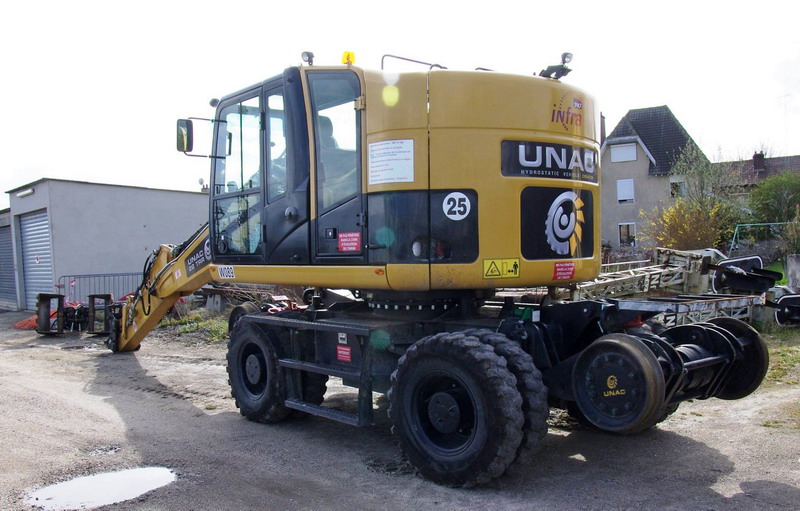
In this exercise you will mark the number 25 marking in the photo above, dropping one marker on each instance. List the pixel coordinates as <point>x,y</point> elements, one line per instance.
<point>456,206</point>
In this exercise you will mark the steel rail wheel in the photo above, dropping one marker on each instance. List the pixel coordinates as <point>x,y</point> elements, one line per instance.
<point>619,385</point>
<point>747,373</point>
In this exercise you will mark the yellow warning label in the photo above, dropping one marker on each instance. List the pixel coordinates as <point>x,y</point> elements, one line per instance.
<point>500,268</point>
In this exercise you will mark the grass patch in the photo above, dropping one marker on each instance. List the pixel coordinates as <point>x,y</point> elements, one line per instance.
<point>784,355</point>
<point>214,328</point>
<point>778,267</point>
<point>790,420</point>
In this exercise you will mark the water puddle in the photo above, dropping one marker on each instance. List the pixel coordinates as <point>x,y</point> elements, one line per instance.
<point>100,490</point>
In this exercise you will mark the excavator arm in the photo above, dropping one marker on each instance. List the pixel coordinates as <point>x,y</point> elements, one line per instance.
<point>170,272</point>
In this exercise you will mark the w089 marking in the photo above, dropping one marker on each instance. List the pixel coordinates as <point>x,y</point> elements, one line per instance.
<point>226,272</point>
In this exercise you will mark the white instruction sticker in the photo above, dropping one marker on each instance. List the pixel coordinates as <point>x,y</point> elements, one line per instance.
<point>226,272</point>
<point>391,161</point>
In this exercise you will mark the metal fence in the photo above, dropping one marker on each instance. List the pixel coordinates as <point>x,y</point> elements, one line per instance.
<point>77,288</point>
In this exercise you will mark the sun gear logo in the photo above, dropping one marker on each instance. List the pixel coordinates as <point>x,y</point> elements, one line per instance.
<point>611,383</point>
<point>557,223</point>
<point>564,224</point>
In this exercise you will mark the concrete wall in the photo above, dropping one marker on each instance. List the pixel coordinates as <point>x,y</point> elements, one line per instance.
<point>97,228</point>
<point>649,192</point>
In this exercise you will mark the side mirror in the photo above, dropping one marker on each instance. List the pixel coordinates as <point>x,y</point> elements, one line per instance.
<point>185,134</point>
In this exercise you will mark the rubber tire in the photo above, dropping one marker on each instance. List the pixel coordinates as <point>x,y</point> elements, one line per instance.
<point>478,381</point>
<point>113,336</point>
<point>262,400</point>
<point>241,310</point>
<point>631,351</point>
<point>748,374</point>
<point>530,386</point>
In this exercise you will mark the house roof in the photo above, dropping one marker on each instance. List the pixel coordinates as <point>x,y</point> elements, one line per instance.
<point>662,136</point>
<point>770,167</point>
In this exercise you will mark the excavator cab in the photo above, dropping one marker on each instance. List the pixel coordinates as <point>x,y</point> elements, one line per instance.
<point>286,185</point>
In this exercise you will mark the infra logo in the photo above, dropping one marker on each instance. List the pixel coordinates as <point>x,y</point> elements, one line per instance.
<point>564,224</point>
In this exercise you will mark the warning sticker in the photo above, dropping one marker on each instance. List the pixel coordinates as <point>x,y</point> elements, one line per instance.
<point>344,353</point>
<point>349,241</point>
<point>564,271</point>
<point>501,268</point>
<point>391,161</point>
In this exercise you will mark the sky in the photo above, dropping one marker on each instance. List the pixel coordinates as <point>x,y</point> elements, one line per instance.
<point>92,90</point>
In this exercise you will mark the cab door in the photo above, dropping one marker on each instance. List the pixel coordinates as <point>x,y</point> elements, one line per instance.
<point>339,233</point>
<point>237,191</point>
<point>286,183</point>
<point>260,202</point>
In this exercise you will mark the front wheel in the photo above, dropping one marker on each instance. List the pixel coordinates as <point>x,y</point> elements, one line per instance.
<point>256,379</point>
<point>455,407</point>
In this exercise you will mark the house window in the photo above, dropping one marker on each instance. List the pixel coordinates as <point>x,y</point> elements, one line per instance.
<point>624,191</point>
<point>627,235</point>
<point>623,152</point>
<point>677,189</point>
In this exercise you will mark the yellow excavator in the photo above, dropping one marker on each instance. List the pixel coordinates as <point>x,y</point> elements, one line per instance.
<point>423,193</point>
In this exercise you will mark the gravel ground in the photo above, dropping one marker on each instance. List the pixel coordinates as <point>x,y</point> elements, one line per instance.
<point>72,408</point>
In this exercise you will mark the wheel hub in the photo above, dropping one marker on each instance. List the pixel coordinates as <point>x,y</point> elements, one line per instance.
<point>614,385</point>
<point>252,369</point>
<point>444,412</point>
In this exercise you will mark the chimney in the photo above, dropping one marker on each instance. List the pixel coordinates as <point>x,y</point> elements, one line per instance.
<point>758,162</point>
<point>602,128</point>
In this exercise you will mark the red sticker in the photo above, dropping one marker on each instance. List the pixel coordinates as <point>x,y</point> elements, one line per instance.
<point>349,242</point>
<point>344,354</point>
<point>564,271</point>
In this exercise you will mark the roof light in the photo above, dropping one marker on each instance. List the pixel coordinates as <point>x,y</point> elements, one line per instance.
<point>308,57</point>
<point>558,71</point>
<point>349,58</point>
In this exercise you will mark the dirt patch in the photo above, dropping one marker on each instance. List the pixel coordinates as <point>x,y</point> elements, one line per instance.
<point>72,408</point>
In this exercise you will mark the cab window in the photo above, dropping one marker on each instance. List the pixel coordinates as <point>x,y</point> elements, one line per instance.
<point>238,143</point>
<point>336,128</point>
<point>236,210</point>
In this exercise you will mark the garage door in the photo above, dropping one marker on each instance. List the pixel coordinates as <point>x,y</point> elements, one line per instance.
<point>8,290</point>
<point>37,258</point>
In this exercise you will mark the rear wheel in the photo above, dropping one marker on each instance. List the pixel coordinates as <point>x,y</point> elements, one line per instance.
<point>747,373</point>
<point>530,386</point>
<point>619,385</point>
<point>456,410</point>
<point>240,311</point>
<point>256,379</point>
